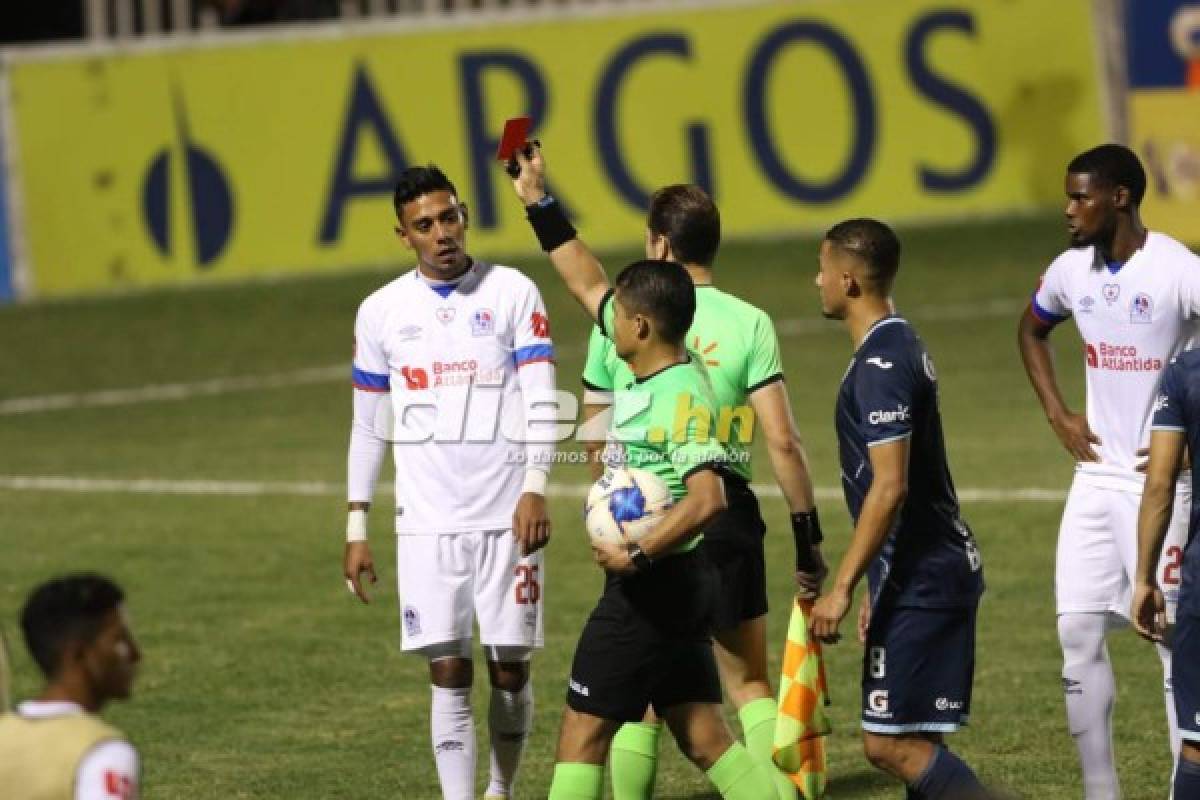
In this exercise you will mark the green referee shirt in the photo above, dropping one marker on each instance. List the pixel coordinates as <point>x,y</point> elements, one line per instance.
<point>662,422</point>
<point>734,340</point>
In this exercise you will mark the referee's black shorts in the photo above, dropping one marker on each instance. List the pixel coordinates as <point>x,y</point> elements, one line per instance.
<point>647,642</point>
<point>734,544</point>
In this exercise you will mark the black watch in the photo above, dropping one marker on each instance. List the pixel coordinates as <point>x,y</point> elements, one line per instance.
<point>641,561</point>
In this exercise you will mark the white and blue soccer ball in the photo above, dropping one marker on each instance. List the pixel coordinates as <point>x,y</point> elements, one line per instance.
<point>625,504</point>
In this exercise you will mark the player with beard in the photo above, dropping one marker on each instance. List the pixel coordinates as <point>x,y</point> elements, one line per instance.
<point>1135,297</point>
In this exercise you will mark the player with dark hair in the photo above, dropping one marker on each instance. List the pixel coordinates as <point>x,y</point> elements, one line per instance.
<point>923,568</point>
<point>1175,429</point>
<point>741,353</point>
<point>77,633</point>
<point>647,642</point>
<point>1135,297</point>
<point>457,346</point>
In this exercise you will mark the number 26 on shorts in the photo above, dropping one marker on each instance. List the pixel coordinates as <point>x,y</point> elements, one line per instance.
<point>528,590</point>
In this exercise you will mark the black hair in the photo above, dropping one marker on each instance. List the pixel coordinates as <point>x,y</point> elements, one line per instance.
<point>1113,165</point>
<point>663,291</point>
<point>873,242</point>
<point>687,216</point>
<point>66,610</point>
<point>417,181</point>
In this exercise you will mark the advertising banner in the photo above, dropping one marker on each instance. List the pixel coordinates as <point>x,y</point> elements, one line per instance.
<point>1163,42</point>
<point>239,158</point>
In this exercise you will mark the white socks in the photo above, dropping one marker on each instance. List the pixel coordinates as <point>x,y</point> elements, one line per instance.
<point>510,718</point>
<point>453,733</point>
<point>1090,694</point>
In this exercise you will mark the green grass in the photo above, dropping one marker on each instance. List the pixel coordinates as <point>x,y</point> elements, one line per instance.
<point>264,679</point>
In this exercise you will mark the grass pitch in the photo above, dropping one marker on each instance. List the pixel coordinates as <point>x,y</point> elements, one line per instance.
<point>263,678</point>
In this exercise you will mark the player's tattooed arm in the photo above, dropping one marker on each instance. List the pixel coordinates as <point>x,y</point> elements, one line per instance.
<point>1158,499</point>
<point>579,268</point>
<point>1070,428</point>
<point>885,498</point>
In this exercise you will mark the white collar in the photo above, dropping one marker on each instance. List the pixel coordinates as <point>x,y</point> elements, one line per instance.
<point>37,709</point>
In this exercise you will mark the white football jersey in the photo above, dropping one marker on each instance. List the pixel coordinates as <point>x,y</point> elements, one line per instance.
<point>1132,323</point>
<point>450,363</point>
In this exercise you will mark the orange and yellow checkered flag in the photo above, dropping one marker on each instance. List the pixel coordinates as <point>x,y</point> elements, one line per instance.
<point>803,695</point>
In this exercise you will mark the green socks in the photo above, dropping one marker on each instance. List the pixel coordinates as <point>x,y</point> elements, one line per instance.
<point>758,728</point>
<point>574,781</point>
<point>634,760</point>
<point>738,776</point>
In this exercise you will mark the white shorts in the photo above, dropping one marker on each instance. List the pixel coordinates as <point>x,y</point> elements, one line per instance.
<point>1096,562</point>
<point>446,581</point>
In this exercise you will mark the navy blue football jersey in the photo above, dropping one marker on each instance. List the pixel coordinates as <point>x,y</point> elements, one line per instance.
<point>889,393</point>
<point>1177,408</point>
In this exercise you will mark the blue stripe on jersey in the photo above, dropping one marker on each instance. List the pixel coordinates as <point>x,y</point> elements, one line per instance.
<point>371,381</point>
<point>1048,317</point>
<point>444,289</point>
<point>534,352</point>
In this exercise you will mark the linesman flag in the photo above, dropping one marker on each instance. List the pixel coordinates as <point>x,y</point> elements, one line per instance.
<point>803,695</point>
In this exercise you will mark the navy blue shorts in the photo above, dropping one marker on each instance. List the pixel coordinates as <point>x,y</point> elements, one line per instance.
<point>918,667</point>
<point>1185,676</point>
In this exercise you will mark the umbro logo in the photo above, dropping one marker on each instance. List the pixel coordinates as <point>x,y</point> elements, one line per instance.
<point>1071,686</point>
<point>879,362</point>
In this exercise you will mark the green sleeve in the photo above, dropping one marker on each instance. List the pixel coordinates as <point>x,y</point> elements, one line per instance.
<point>596,374</point>
<point>765,363</point>
<point>688,452</point>
<point>605,313</point>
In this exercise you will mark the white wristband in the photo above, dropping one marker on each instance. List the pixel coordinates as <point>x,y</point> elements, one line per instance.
<point>535,481</point>
<point>356,526</point>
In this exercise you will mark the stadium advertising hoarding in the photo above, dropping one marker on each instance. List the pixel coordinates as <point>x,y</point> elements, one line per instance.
<point>240,157</point>
<point>1163,43</point>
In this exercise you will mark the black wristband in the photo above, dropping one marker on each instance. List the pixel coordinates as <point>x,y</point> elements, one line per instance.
<point>641,561</point>
<point>550,224</point>
<point>806,531</point>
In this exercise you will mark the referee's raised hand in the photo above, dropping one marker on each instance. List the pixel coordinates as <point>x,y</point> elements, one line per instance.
<point>530,183</point>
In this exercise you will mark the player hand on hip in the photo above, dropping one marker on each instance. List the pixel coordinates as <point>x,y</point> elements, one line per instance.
<point>1149,612</point>
<point>613,557</point>
<point>1073,431</point>
<point>531,523</point>
<point>530,183</point>
<point>827,614</point>
<point>355,562</point>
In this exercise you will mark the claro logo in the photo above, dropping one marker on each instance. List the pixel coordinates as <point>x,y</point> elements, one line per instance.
<point>884,417</point>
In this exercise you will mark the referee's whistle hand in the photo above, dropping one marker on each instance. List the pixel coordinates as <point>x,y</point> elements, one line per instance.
<point>357,560</point>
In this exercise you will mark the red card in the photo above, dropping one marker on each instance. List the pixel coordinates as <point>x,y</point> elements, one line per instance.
<point>516,131</point>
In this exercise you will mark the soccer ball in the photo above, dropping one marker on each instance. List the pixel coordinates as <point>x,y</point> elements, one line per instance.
<point>625,504</point>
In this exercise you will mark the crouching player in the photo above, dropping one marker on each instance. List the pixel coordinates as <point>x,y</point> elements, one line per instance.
<point>1175,430</point>
<point>647,641</point>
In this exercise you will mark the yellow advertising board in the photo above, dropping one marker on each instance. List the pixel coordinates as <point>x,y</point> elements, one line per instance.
<point>1164,111</point>
<point>242,158</point>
